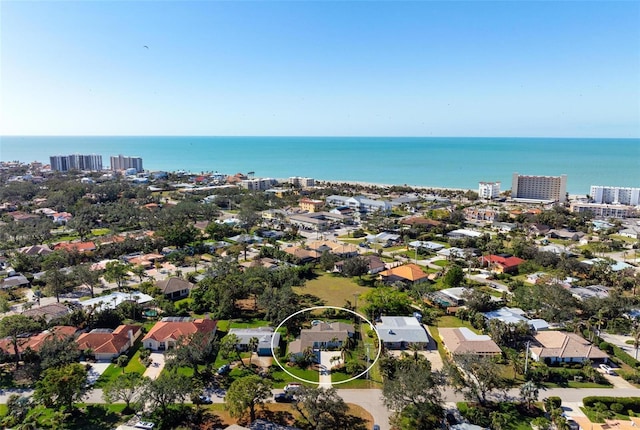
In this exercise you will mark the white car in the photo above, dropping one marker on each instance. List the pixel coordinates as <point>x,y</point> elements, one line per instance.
<point>146,425</point>
<point>607,369</point>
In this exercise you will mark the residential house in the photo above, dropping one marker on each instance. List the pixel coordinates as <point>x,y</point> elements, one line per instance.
<point>113,300</point>
<point>461,341</point>
<point>514,316</point>
<point>303,255</point>
<point>449,296</point>
<point>564,347</point>
<point>590,291</point>
<point>503,263</point>
<point>76,246</point>
<point>36,250</point>
<point>34,342</point>
<point>334,247</point>
<point>49,312</point>
<point>166,333</point>
<point>430,246</point>
<point>407,273</point>
<point>376,265</point>
<point>361,204</point>
<point>386,239</point>
<point>419,221</point>
<point>565,234</point>
<point>265,335</point>
<point>322,336</point>
<point>175,288</point>
<point>398,332</point>
<point>13,282</point>
<point>107,344</point>
<point>462,233</point>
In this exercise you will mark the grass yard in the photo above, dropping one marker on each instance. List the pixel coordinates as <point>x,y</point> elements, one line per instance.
<point>441,263</point>
<point>453,321</point>
<point>100,231</point>
<point>280,378</point>
<point>332,290</point>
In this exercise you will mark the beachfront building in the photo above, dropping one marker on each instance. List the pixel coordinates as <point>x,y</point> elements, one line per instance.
<point>615,195</point>
<point>539,188</point>
<point>604,210</point>
<point>64,163</point>
<point>361,204</point>
<point>489,190</point>
<point>299,182</point>
<point>257,184</point>
<point>123,162</point>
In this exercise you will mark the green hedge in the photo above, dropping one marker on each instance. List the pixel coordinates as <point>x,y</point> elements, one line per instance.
<point>628,403</point>
<point>624,357</point>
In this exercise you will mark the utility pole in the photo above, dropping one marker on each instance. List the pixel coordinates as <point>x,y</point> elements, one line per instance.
<point>526,359</point>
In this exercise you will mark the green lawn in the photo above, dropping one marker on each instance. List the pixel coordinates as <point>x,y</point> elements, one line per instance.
<point>453,321</point>
<point>332,290</point>
<point>360,383</point>
<point>281,378</point>
<point>100,231</point>
<point>441,263</point>
<point>114,371</point>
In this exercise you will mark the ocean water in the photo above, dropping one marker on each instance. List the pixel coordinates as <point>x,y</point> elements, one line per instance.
<point>435,162</point>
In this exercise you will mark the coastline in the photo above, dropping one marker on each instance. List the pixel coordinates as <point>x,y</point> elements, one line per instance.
<point>378,185</point>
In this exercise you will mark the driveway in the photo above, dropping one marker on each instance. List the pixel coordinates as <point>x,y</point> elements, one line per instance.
<point>325,368</point>
<point>96,370</point>
<point>156,367</point>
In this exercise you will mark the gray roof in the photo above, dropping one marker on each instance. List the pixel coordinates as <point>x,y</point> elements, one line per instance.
<point>264,335</point>
<point>401,329</point>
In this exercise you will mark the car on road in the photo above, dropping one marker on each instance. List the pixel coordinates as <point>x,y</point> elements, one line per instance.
<point>292,387</point>
<point>283,398</point>
<point>376,427</point>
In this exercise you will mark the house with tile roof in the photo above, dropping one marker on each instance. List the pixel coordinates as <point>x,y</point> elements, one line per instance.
<point>407,273</point>
<point>107,344</point>
<point>504,263</point>
<point>166,333</point>
<point>35,342</point>
<point>49,312</point>
<point>461,341</point>
<point>76,246</point>
<point>563,347</point>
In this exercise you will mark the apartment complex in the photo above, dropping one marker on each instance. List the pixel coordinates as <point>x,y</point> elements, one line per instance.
<point>64,163</point>
<point>489,190</point>
<point>615,195</point>
<point>603,210</point>
<point>258,184</point>
<point>122,162</point>
<point>299,182</point>
<point>547,188</point>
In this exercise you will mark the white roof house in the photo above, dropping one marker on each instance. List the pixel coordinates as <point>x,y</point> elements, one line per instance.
<point>399,332</point>
<point>514,316</point>
<point>265,335</point>
<point>111,301</point>
<point>462,232</point>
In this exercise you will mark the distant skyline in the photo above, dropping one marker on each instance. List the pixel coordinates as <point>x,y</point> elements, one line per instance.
<point>320,68</point>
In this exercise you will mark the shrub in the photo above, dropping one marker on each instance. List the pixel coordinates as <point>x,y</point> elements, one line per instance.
<point>616,407</point>
<point>606,347</point>
<point>553,402</point>
<point>605,402</point>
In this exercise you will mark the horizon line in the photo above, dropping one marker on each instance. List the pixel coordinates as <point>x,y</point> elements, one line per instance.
<point>317,136</point>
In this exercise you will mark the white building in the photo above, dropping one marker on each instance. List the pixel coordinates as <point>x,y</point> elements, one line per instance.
<point>489,190</point>
<point>63,163</point>
<point>615,195</point>
<point>603,210</point>
<point>300,182</point>
<point>545,188</point>
<point>122,162</point>
<point>260,184</point>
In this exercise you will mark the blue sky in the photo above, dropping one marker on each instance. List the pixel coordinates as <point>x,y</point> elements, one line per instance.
<point>320,68</point>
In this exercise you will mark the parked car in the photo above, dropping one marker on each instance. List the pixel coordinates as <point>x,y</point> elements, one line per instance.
<point>376,427</point>
<point>223,370</point>
<point>145,425</point>
<point>205,400</point>
<point>572,424</point>
<point>292,387</point>
<point>607,369</point>
<point>283,398</point>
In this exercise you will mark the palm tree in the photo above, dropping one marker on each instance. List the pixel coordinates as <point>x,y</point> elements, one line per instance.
<point>253,347</point>
<point>636,339</point>
<point>415,348</point>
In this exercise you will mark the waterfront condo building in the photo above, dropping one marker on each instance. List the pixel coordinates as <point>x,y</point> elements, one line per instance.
<point>299,182</point>
<point>122,162</point>
<point>615,195</point>
<point>544,188</point>
<point>64,163</point>
<point>489,190</point>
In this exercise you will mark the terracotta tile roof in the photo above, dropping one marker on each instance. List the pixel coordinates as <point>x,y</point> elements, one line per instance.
<point>35,342</point>
<point>411,272</point>
<point>102,342</point>
<point>77,246</point>
<point>173,330</point>
<point>506,262</point>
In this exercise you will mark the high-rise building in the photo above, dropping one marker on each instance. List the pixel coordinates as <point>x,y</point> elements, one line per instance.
<point>548,188</point>
<point>122,162</point>
<point>489,190</point>
<point>64,163</point>
<point>615,195</point>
